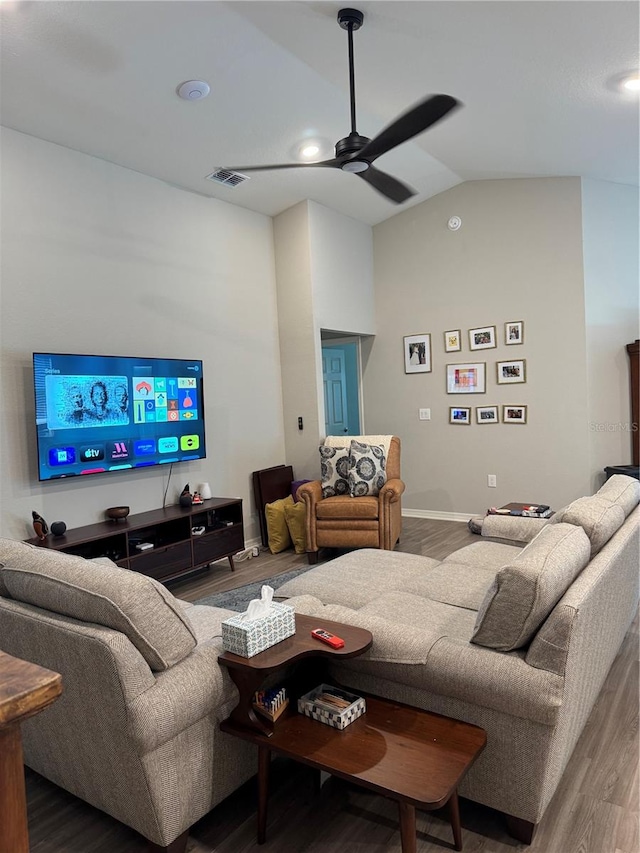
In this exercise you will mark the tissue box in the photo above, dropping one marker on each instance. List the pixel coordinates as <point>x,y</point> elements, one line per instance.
<point>249,637</point>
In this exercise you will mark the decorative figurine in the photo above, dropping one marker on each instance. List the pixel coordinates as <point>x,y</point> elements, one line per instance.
<point>197,499</point>
<point>185,497</point>
<point>58,528</point>
<point>39,525</point>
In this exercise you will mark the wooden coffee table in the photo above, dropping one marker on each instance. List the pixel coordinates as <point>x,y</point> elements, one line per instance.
<point>406,754</point>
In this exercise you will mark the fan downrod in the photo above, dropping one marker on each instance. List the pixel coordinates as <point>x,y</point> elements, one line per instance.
<point>350,16</point>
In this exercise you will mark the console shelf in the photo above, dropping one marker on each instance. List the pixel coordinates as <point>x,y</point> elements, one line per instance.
<point>176,549</point>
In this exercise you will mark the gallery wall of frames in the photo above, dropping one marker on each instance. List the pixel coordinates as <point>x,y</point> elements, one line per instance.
<point>470,376</point>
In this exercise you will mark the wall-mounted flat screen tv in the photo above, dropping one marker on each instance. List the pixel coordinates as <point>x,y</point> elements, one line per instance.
<point>103,413</point>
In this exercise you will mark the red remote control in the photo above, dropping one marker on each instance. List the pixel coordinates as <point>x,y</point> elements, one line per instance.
<point>326,637</point>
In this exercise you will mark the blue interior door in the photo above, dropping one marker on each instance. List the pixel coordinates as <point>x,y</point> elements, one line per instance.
<point>335,391</point>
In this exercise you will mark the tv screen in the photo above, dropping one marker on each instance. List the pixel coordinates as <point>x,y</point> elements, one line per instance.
<point>102,413</point>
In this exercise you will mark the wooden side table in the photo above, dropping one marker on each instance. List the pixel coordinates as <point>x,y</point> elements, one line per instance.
<point>25,689</point>
<point>411,756</point>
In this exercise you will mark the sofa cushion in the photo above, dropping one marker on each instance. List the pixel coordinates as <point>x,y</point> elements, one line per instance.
<point>335,463</point>
<point>345,507</point>
<point>367,472</point>
<point>461,585</point>
<point>599,518</point>
<point>138,606</point>
<point>527,589</point>
<point>4,592</point>
<point>278,534</point>
<point>484,555</point>
<point>621,490</point>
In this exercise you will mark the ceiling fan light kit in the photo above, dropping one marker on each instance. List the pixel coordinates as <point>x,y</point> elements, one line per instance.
<point>355,153</point>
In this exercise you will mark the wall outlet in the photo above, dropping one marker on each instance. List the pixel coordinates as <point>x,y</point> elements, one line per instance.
<point>424,414</point>
<point>492,481</point>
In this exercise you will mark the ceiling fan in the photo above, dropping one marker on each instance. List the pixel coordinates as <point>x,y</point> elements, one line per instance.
<point>357,153</point>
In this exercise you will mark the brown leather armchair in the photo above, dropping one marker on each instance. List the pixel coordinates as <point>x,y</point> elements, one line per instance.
<point>363,522</point>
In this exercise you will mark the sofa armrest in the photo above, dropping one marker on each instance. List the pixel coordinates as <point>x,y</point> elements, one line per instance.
<point>180,697</point>
<point>512,527</point>
<point>310,494</point>
<point>391,491</point>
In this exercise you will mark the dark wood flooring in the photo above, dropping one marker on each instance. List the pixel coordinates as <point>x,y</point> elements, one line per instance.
<point>595,809</point>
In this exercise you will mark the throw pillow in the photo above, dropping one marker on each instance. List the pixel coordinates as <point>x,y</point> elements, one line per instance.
<point>335,463</point>
<point>526,590</point>
<point>367,474</point>
<point>621,490</point>
<point>599,517</point>
<point>277,530</point>
<point>295,517</point>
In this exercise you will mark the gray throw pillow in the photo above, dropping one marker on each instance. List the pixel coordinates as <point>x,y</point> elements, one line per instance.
<point>138,606</point>
<point>621,490</point>
<point>599,518</point>
<point>335,463</point>
<point>526,590</point>
<point>367,474</point>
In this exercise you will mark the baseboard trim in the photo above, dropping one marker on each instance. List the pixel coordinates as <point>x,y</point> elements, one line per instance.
<point>436,515</point>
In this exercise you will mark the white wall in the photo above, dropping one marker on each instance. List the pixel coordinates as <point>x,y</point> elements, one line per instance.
<point>611,269</point>
<point>99,259</point>
<point>518,256</point>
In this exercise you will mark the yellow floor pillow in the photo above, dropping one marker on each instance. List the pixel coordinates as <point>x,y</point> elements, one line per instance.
<point>295,515</point>
<point>277,529</point>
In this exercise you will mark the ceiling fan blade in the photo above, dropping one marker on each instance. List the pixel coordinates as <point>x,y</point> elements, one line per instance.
<point>408,125</point>
<point>333,162</point>
<point>391,188</point>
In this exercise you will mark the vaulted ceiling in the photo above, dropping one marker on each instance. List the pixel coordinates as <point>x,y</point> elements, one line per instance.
<point>539,82</point>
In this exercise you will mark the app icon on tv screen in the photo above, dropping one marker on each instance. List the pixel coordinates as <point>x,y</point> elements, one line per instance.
<point>117,409</point>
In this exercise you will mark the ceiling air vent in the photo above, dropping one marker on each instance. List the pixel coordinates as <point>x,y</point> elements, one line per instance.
<point>229,179</point>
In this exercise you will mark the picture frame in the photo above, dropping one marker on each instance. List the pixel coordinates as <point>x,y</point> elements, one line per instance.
<point>453,340</point>
<point>482,338</point>
<point>417,353</point>
<point>460,415</point>
<point>468,378</point>
<point>514,414</point>
<point>487,415</point>
<point>513,332</point>
<point>511,372</point>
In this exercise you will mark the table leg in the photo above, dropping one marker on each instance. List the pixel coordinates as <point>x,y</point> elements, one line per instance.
<point>454,817</point>
<point>407,826</point>
<point>243,714</point>
<point>264,759</point>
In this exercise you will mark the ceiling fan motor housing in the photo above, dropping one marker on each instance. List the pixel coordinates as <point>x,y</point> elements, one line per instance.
<point>351,144</point>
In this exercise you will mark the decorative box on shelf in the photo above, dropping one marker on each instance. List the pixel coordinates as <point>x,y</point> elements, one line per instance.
<point>248,637</point>
<point>332,706</point>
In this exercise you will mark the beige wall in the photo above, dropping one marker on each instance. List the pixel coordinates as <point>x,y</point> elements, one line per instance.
<point>518,256</point>
<point>324,271</point>
<point>610,227</point>
<point>99,259</point>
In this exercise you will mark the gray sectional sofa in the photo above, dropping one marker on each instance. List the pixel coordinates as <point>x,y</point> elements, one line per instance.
<point>516,638</point>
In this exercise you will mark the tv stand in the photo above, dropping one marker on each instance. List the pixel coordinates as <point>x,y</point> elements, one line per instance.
<point>176,550</point>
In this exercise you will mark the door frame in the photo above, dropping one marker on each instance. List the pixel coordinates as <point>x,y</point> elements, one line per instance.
<point>348,339</point>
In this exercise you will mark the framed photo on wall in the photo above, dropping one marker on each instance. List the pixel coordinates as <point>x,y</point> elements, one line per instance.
<point>466,378</point>
<point>483,338</point>
<point>514,332</point>
<point>417,354</point>
<point>459,415</point>
<point>514,414</point>
<point>453,341</point>
<point>487,414</point>
<point>511,372</point>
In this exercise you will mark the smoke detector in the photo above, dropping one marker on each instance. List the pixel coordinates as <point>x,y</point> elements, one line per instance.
<point>194,90</point>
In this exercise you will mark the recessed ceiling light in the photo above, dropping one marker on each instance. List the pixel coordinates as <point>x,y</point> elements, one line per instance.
<point>632,84</point>
<point>309,150</point>
<point>193,90</point>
